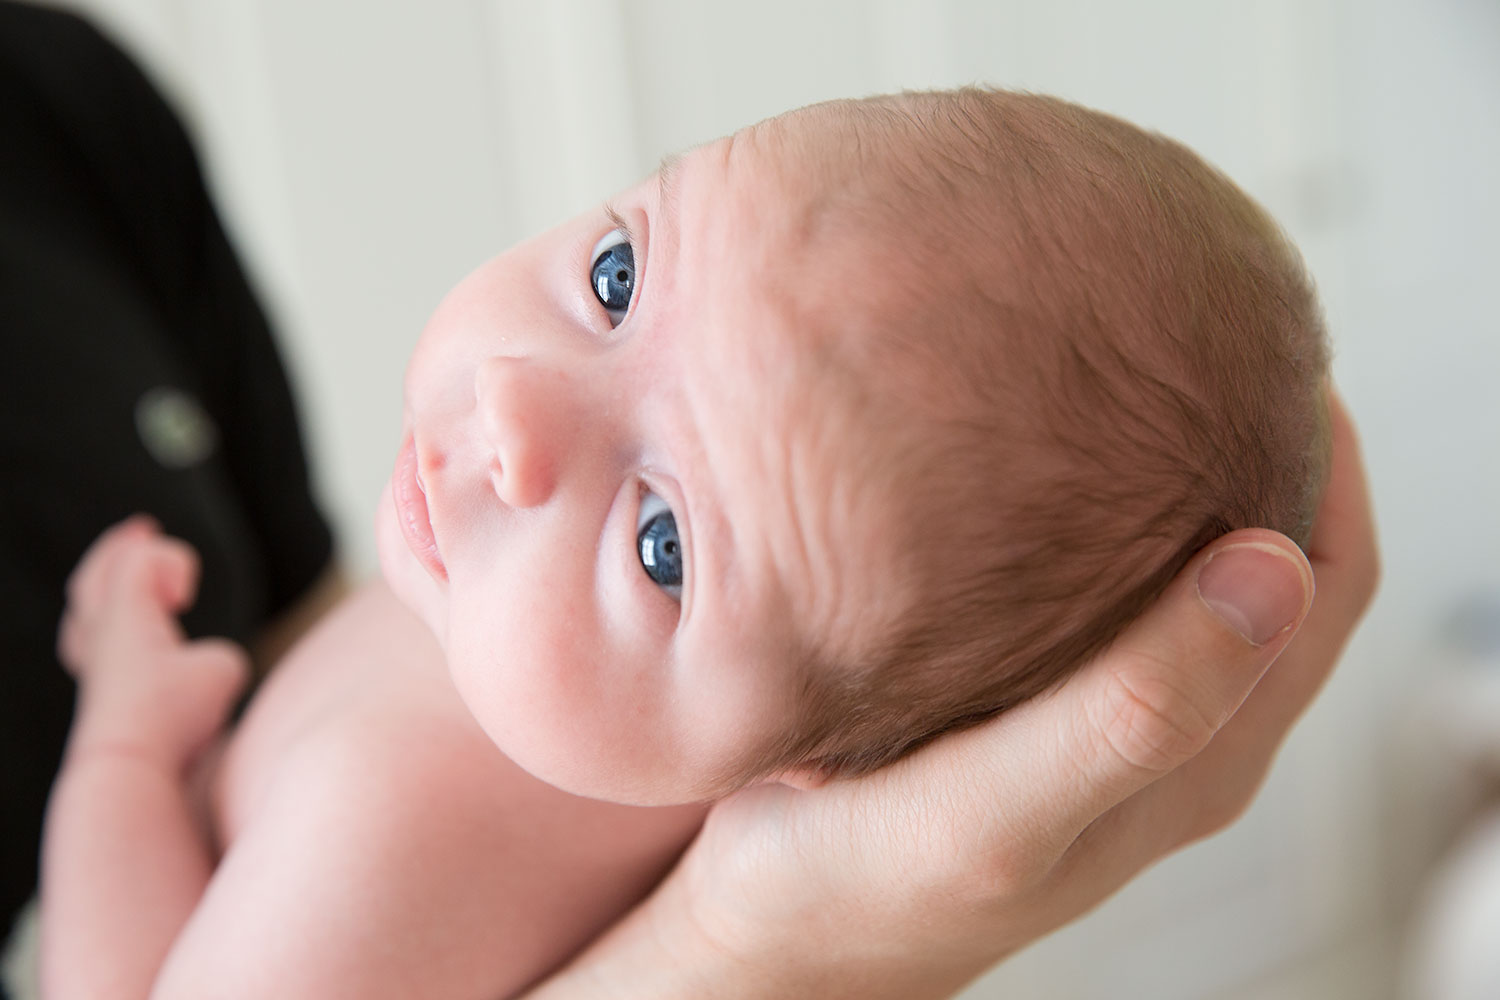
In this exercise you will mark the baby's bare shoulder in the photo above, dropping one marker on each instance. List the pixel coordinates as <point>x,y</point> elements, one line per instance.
<point>378,862</point>
<point>359,725</point>
<point>371,826</point>
<point>367,655</point>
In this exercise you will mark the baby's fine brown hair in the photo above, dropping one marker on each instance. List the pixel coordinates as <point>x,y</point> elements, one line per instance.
<point>1109,357</point>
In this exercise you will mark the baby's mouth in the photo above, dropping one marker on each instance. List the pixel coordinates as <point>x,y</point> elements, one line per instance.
<point>410,496</point>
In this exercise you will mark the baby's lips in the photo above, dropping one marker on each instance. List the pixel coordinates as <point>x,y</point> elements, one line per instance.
<point>410,500</point>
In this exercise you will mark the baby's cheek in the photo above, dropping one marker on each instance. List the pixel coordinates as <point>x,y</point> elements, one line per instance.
<point>522,669</point>
<point>556,699</point>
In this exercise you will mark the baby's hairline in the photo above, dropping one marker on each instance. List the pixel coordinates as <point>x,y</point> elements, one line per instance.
<point>1106,132</point>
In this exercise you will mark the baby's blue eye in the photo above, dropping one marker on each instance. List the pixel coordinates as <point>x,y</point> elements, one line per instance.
<point>657,544</point>
<point>613,274</point>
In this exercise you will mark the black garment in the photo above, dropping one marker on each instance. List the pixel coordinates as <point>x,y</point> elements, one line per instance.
<point>137,373</point>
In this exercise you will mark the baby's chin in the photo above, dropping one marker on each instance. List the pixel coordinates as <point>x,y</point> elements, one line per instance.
<point>618,775</point>
<point>627,790</point>
<point>411,584</point>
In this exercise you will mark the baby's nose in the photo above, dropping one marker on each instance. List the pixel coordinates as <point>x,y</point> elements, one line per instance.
<point>523,409</point>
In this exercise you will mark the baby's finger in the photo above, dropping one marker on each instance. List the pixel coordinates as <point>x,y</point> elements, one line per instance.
<point>72,641</point>
<point>149,581</point>
<point>224,660</point>
<point>1152,700</point>
<point>85,586</point>
<point>219,671</point>
<point>177,569</point>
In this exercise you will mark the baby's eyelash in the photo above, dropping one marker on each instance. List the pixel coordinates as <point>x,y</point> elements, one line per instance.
<point>617,221</point>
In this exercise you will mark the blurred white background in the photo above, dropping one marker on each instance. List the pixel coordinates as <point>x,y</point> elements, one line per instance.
<point>368,154</point>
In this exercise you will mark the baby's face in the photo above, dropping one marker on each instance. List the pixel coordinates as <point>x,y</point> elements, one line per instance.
<point>618,503</point>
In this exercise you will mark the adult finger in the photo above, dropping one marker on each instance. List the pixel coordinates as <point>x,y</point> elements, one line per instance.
<point>1213,789</point>
<point>1343,549</point>
<point>1345,563</point>
<point>1149,702</point>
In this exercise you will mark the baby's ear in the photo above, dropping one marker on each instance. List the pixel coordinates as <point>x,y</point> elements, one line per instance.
<point>804,777</point>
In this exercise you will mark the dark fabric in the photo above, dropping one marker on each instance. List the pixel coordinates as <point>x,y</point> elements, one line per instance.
<point>137,373</point>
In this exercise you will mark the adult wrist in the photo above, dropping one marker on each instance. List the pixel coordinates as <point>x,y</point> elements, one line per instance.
<point>660,951</point>
<point>709,953</point>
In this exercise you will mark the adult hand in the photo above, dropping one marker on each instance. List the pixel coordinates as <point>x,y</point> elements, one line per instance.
<point>911,881</point>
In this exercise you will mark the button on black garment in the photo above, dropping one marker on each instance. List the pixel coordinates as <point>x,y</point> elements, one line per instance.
<point>136,373</point>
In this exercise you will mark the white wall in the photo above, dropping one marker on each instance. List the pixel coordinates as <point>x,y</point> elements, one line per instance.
<point>370,153</point>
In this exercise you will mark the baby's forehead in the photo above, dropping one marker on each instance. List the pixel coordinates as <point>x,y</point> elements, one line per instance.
<point>785,222</point>
<point>797,432</point>
<point>802,506</point>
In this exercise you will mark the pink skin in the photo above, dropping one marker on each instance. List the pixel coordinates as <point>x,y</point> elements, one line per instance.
<point>144,688</point>
<point>538,428</point>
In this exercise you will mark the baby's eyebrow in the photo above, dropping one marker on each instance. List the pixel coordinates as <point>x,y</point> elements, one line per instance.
<point>666,175</point>
<point>666,191</point>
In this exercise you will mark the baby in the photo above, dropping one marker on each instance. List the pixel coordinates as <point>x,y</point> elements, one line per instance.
<point>855,427</point>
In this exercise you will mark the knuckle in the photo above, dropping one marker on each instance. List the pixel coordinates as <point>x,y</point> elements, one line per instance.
<point>173,557</point>
<point>1224,805</point>
<point>141,565</point>
<point>1003,873</point>
<point>981,864</point>
<point>1149,723</point>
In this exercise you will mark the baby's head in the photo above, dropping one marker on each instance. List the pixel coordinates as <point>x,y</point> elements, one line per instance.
<point>855,427</point>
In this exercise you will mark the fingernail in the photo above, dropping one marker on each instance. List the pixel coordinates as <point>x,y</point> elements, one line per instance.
<point>1257,590</point>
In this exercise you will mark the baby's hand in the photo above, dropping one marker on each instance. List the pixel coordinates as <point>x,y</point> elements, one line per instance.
<point>143,688</point>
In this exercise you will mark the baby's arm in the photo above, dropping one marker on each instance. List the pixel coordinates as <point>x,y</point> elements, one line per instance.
<point>391,850</point>
<point>125,859</point>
